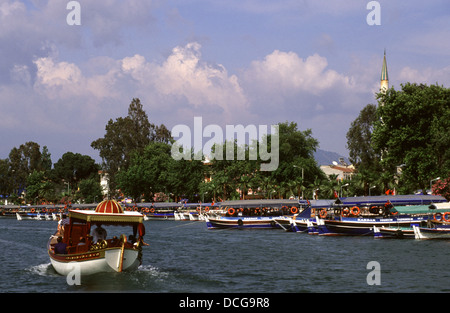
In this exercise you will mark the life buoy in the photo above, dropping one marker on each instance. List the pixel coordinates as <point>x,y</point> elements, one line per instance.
<point>345,212</point>
<point>207,209</point>
<point>198,209</point>
<point>152,210</point>
<point>44,210</point>
<point>355,211</point>
<point>446,216</point>
<point>231,211</point>
<point>323,213</point>
<point>294,210</point>
<point>146,210</point>
<point>32,210</point>
<point>135,208</point>
<point>437,216</point>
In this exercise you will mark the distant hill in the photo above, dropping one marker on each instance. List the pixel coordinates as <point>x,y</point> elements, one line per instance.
<point>323,157</point>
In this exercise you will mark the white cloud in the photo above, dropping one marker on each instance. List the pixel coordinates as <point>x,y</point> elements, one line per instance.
<point>425,76</point>
<point>287,72</point>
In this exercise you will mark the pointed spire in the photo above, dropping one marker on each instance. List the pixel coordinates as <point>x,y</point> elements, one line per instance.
<point>384,82</point>
<point>384,71</point>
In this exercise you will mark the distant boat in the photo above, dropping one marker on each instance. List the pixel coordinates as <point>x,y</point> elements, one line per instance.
<point>105,255</point>
<point>252,214</point>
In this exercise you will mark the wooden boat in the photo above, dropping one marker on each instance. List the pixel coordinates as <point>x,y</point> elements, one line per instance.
<point>347,217</point>
<point>252,214</point>
<point>435,229</point>
<point>104,255</point>
<point>431,233</point>
<point>400,232</point>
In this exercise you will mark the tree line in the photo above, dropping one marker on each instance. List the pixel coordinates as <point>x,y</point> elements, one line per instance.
<point>401,144</point>
<point>28,176</point>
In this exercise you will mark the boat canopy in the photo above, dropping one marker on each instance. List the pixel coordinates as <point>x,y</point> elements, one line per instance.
<point>394,200</point>
<point>419,209</point>
<point>107,212</point>
<point>260,203</point>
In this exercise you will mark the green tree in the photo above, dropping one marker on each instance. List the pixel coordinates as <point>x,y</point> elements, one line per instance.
<point>39,188</point>
<point>90,190</point>
<point>412,131</point>
<point>125,136</point>
<point>154,171</point>
<point>296,157</point>
<point>361,152</point>
<point>22,162</point>
<point>74,167</point>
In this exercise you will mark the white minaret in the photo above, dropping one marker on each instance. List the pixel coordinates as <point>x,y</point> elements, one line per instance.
<point>384,82</point>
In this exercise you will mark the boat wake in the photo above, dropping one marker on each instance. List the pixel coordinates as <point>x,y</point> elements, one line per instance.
<point>153,271</point>
<point>45,269</point>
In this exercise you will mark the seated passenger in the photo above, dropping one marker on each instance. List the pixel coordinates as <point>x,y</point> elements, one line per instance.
<point>60,247</point>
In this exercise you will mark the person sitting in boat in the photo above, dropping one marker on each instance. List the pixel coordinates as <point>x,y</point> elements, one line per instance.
<point>60,247</point>
<point>99,234</point>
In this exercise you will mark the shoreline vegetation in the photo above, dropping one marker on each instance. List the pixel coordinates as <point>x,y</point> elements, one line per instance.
<point>400,145</point>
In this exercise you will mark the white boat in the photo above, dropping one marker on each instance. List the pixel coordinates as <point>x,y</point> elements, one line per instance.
<point>105,255</point>
<point>432,233</point>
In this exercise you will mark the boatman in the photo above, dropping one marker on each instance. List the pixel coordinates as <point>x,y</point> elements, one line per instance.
<point>99,233</point>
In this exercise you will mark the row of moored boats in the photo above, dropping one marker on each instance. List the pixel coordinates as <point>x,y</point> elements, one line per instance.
<point>399,216</point>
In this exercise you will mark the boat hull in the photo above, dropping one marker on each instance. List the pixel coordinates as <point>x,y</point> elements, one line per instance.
<point>394,232</point>
<point>159,216</point>
<point>100,261</point>
<point>257,222</point>
<point>431,233</point>
<point>306,225</point>
<point>362,226</point>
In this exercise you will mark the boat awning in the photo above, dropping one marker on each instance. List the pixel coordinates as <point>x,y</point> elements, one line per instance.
<point>96,217</point>
<point>394,200</point>
<point>418,209</point>
<point>260,203</point>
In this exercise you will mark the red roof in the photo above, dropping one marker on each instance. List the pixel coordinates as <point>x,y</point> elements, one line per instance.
<point>109,206</point>
<point>343,169</point>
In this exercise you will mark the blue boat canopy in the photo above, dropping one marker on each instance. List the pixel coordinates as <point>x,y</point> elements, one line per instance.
<point>394,200</point>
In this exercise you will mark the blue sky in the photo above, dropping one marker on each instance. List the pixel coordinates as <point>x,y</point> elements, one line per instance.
<point>316,63</point>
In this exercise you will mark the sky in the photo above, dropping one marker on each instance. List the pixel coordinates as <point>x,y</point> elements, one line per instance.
<point>252,62</point>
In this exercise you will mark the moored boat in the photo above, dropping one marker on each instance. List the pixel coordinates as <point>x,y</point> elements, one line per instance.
<point>431,233</point>
<point>92,250</point>
<point>399,232</point>
<point>252,214</point>
<point>358,216</point>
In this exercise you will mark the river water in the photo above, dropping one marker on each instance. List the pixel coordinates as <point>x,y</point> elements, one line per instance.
<point>186,257</point>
